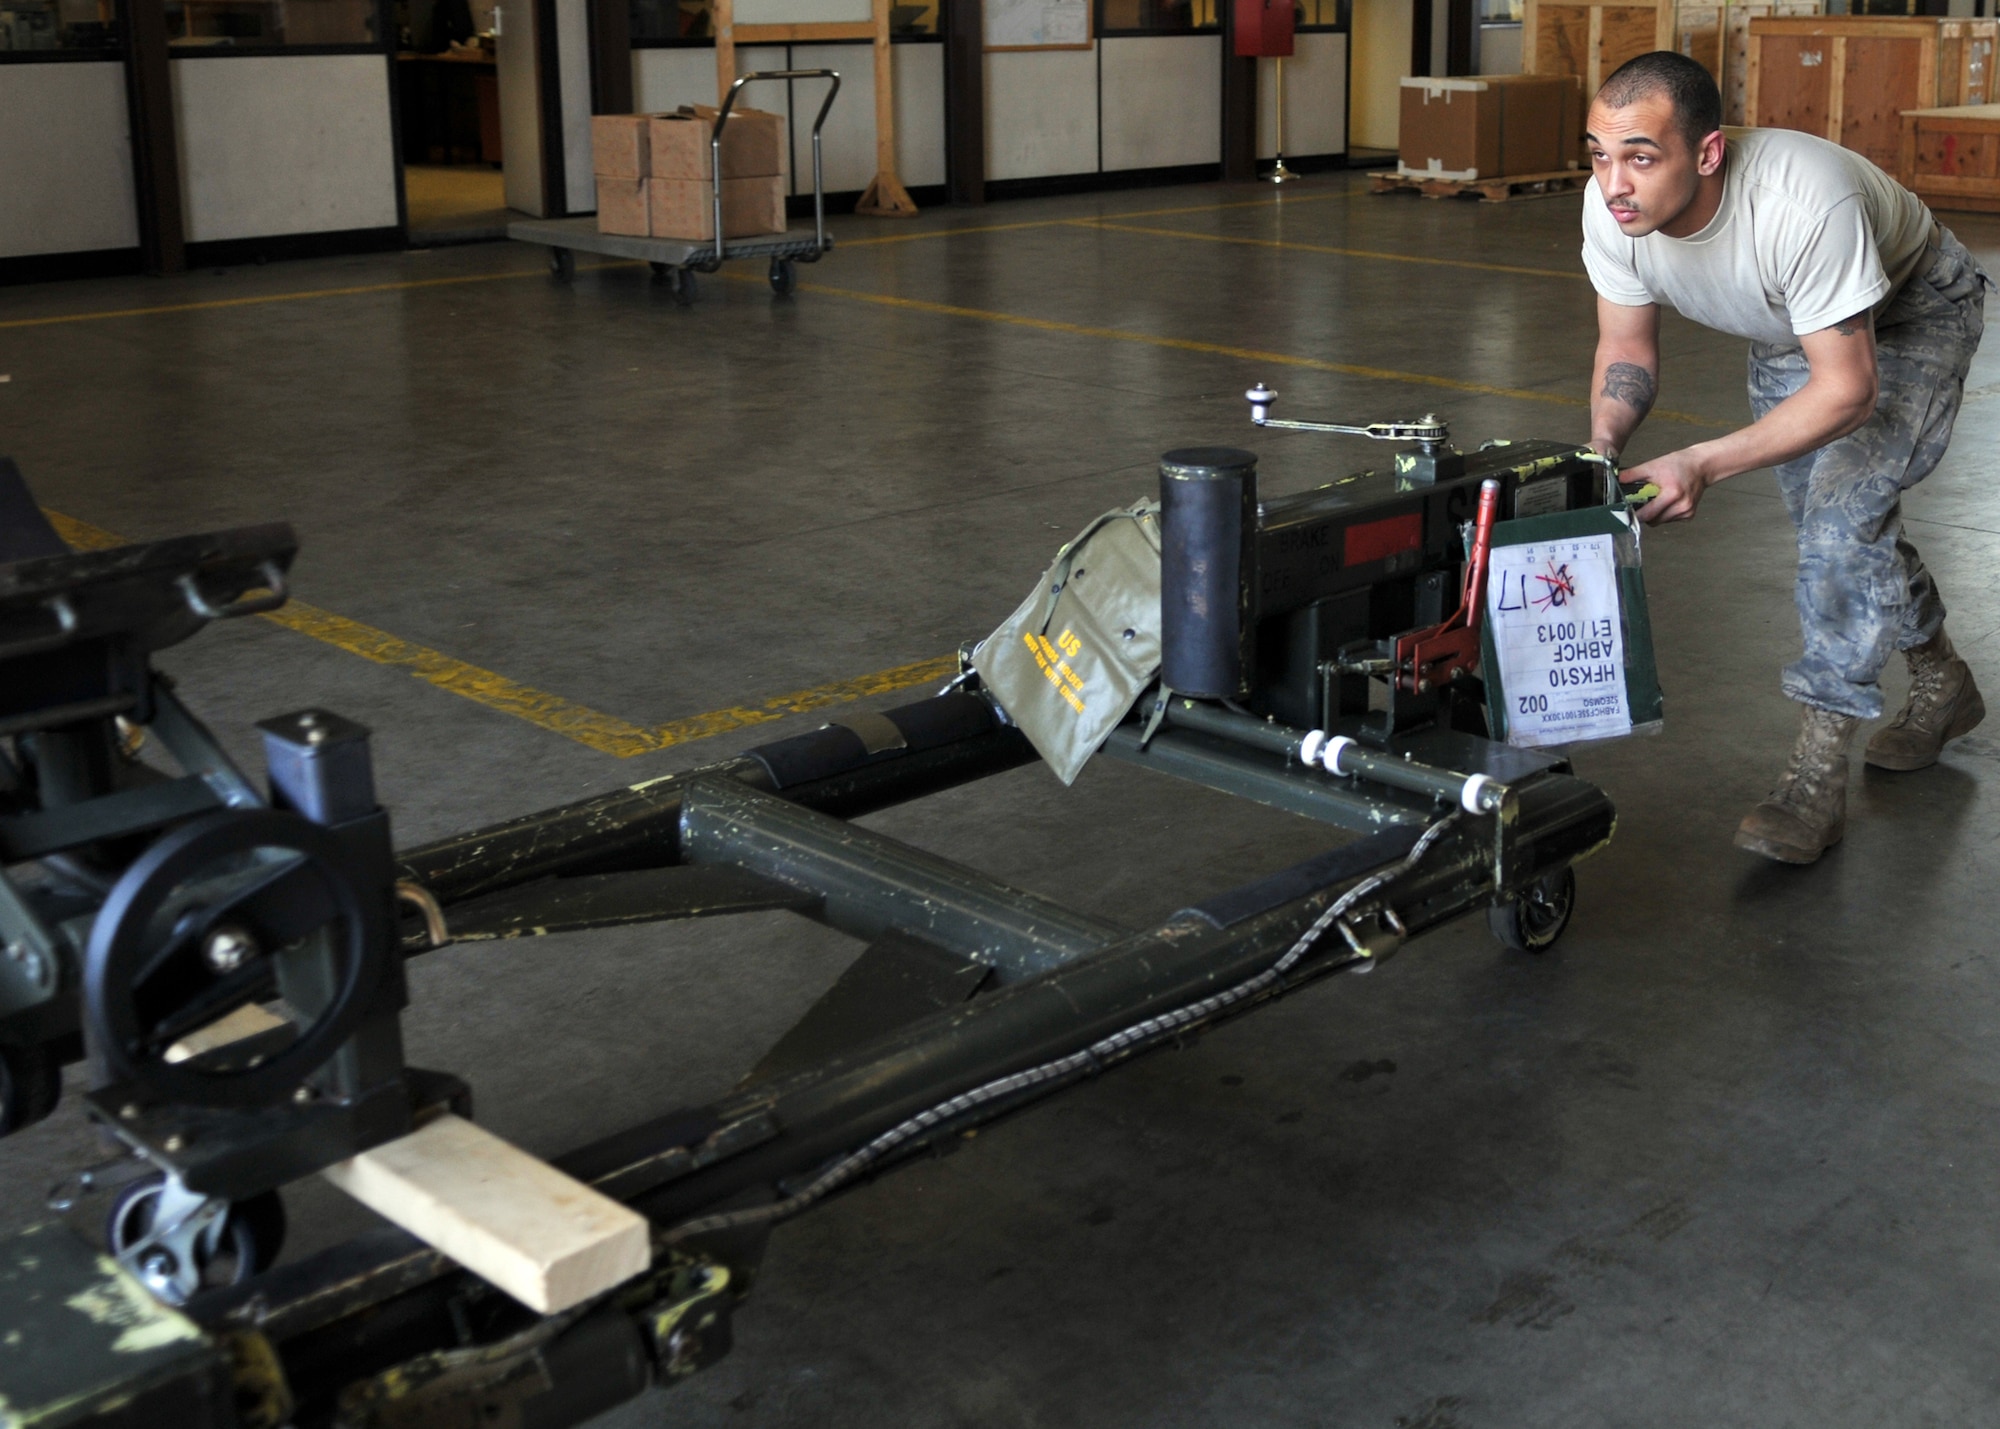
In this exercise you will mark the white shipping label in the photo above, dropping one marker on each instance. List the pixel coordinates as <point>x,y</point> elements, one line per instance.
<point>1553,611</point>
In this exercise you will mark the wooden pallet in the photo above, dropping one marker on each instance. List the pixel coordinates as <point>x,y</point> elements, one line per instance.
<point>1494,190</point>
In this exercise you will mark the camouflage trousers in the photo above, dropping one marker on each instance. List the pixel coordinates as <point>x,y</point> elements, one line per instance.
<point>1863,592</point>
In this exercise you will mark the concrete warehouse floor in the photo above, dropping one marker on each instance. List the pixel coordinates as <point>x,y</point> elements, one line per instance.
<point>1726,1156</point>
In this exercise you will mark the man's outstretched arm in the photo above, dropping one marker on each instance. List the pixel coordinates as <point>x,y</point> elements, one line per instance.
<point>1839,397</point>
<point>1627,375</point>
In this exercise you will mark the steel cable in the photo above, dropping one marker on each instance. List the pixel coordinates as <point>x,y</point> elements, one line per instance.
<point>1091,1058</point>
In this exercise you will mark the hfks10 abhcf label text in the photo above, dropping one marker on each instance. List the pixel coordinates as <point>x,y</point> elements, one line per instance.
<point>1552,607</point>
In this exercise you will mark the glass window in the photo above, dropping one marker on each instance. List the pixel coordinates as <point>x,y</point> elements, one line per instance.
<point>1500,12</point>
<point>203,24</point>
<point>665,21</point>
<point>671,20</point>
<point>1115,17</point>
<point>1319,14</point>
<point>31,25</point>
<point>913,19</point>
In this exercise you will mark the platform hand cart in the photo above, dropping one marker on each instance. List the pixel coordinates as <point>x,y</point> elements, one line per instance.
<point>679,259</point>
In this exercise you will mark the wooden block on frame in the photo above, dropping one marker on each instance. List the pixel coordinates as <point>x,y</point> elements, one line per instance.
<point>249,1020</point>
<point>546,1239</point>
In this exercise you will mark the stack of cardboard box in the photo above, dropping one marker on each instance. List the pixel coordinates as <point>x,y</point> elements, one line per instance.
<point>654,177</point>
<point>1490,126</point>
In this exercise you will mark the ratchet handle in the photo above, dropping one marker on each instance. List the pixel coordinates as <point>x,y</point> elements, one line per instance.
<point>275,594</point>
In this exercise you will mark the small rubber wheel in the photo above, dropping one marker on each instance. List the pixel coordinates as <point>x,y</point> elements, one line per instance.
<point>784,276</point>
<point>660,270</point>
<point>30,1086</point>
<point>258,1226</point>
<point>1533,922</point>
<point>680,282</point>
<point>252,1234</point>
<point>562,264</point>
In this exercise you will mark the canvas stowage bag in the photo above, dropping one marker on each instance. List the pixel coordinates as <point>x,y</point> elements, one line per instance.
<point>1068,664</point>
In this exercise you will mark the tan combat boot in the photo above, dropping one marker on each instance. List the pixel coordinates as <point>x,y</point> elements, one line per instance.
<point>1944,703</point>
<point>1807,813</point>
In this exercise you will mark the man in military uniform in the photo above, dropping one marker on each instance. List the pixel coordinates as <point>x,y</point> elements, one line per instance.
<point>1862,315</point>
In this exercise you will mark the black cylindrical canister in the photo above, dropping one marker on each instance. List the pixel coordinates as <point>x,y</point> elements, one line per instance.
<point>1208,571</point>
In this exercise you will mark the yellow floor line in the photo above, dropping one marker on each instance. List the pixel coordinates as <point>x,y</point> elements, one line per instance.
<point>1274,202</point>
<point>1218,349</point>
<point>300,296</point>
<point>1323,248</point>
<point>605,733</point>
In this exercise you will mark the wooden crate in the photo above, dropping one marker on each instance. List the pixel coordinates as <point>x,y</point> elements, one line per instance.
<point>1591,38</point>
<point>1951,157</point>
<point>1717,36</point>
<point>1850,78</point>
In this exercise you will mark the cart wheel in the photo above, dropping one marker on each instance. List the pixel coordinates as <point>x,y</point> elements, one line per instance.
<point>1533,922</point>
<point>661,270</point>
<point>784,276</point>
<point>245,1243</point>
<point>562,264</point>
<point>680,282</point>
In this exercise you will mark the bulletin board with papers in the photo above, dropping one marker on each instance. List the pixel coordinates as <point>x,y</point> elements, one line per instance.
<point>1038,24</point>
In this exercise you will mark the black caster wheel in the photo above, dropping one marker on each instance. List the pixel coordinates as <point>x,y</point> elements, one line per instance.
<point>784,276</point>
<point>1533,922</point>
<point>661,270</point>
<point>562,264</point>
<point>680,282</point>
<point>30,1086</point>
<point>221,1250</point>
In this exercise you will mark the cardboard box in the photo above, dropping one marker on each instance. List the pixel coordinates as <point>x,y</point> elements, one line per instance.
<point>1492,126</point>
<point>753,144</point>
<point>681,208</point>
<point>624,206</point>
<point>618,145</point>
<point>1541,122</point>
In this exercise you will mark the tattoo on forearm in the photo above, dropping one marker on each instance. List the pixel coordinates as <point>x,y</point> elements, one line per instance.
<point>1631,384</point>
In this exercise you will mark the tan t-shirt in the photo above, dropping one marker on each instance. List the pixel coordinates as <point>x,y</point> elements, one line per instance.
<point>1808,233</point>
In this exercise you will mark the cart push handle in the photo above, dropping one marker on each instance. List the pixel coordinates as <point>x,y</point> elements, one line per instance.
<point>715,146</point>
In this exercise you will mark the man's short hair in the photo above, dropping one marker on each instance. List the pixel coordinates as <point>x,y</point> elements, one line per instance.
<point>1697,102</point>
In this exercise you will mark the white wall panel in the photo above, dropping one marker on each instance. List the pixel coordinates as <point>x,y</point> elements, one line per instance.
<point>1162,101</point>
<point>1041,113</point>
<point>1499,49</point>
<point>919,113</point>
<point>848,141</point>
<point>769,95</point>
<point>66,152</point>
<point>284,144</point>
<point>667,79</point>
<point>1315,98</point>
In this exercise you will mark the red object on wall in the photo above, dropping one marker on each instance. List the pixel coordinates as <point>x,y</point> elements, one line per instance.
<point>1263,29</point>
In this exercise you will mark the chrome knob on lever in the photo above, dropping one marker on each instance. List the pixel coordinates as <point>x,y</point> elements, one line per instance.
<point>1427,432</point>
